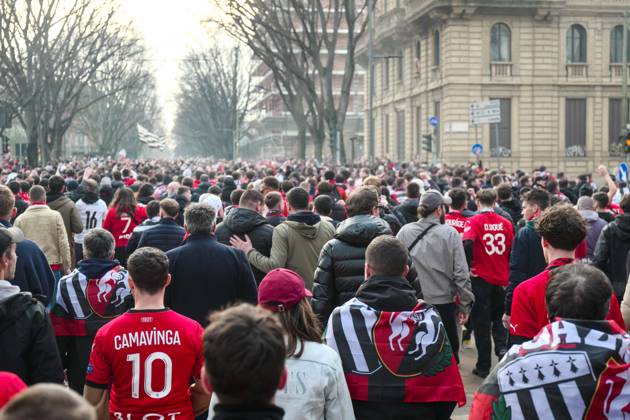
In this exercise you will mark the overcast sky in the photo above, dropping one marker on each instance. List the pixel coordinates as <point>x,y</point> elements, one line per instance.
<point>170,29</point>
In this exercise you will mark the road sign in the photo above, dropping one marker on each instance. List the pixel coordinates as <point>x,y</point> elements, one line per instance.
<point>477,149</point>
<point>622,174</point>
<point>487,112</point>
<point>434,121</point>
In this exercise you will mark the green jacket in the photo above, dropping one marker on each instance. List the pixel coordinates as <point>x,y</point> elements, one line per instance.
<point>295,246</point>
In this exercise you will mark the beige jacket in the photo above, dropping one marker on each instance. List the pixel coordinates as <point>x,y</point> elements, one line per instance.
<point>45,227</point>
<point>625,306</point>
<point>295,246</point>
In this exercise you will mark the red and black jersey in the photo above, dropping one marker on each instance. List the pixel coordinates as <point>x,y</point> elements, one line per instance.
<point>492,237</point>
<point>147,359</point>
<point>122,225</point>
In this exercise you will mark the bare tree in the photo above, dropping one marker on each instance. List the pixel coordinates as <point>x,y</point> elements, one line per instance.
<point>214,96</point>
<point>50,53</point>
<point>299,41</point>
<point>127,88</point>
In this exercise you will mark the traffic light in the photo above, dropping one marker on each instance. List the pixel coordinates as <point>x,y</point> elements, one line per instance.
<point>626,139</point>
<point>427,142</point>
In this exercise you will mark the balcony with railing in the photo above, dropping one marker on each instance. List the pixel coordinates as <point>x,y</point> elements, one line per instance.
<point>500,69</point>
<point>577,70</point>
<point>616,70</point>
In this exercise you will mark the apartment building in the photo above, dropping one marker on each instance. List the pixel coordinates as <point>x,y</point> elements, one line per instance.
<point>272,132</point>
<point>555,65</point>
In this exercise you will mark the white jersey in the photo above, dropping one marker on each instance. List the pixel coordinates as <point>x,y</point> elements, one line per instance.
<point>92,216</point>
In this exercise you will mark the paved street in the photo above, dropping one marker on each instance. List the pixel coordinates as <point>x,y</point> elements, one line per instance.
<point>468,357</point>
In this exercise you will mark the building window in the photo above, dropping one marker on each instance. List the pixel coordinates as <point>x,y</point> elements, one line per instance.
<point>615,125</point>
<point>401,69</point>
<point>436,48</point>
<point>576,44</point>
<point>616,45</point>
<point>575,127</point>
<point>502,146</point>
<point>400,135</point>
<point>501,43</point>
<point>386,73</point>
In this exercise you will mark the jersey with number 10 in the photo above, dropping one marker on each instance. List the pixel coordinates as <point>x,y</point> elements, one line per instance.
<point>146,359</point>
<point>492,237</point>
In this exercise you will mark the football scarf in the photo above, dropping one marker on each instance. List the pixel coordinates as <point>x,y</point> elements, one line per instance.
<point>395,356</point>
<point>571,370</point>
<point>84,305</point>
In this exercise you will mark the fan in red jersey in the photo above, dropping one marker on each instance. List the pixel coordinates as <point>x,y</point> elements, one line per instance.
<point>487,242</point>
<point>458,215</point>
<point>123,216</point>
<point>147,357</point>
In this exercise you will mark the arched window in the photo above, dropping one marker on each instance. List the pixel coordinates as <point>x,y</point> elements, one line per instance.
<point>501,43</point>
<point>576,44</point>
<point>616,45</point>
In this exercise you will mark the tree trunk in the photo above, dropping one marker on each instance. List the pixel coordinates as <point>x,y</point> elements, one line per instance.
<point>342,149</point>
<point>301,139</point>
<point>318,142</point>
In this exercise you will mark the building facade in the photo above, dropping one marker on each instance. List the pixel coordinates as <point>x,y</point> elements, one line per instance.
<point>555,65</point>
<point>272,132</point>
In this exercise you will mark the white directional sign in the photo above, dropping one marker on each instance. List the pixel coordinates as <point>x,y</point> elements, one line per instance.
<point>488,112</point>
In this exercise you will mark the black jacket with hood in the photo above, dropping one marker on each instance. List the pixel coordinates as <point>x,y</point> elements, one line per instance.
<point>341,267</point>
<point>394,294</point>
<point>27,341</point>
<point>611,252</point>
<point>243,221</point>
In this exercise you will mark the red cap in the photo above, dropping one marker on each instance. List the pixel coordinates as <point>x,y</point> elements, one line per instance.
<point>281,289</point>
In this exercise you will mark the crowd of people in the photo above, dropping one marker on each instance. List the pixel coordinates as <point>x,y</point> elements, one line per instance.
<point>187,289</point>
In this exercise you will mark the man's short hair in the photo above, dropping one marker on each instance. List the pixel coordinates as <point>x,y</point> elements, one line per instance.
<point>245,353</point>
<point>413,190</point>
<point>578,291</point>
<point>273,199</point>
<point>504,191</point>
<point>251,198</point>
<point>235,196</point>
<point>148,267</point>
<point>170,207</point>
<point>89,185</point>
<point>458,198</point>
<point>98,243</point>
<point>625,204</point>
<point>48,401</point>
<point>56,184</point>
<point>37,193</point>
<point>387,256</point>
<point>298,198</point>
<point>323,205</point>
<point>562,226</point>
<point>153,208</point>
<point>487,197</point>
<point>362,201</point>
<point>7,201</point>
<point>271,182</point>
<point>199,218</point>
<point>539,197</point>
<point>325,188</point>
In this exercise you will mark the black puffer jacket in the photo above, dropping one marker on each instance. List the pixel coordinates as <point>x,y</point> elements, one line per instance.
<point>611,252</point>
<point>340,270</point>
<point>27,341</point>
<point>242,221</point>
